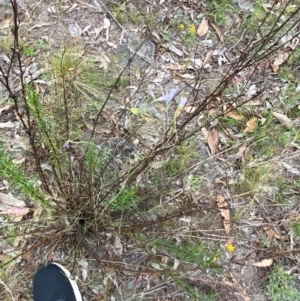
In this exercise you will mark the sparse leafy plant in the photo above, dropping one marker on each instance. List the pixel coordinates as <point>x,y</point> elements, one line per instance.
<point>280,285</point>
<point>296,228</point>
<point>219,10</point>
<point>110,162</point>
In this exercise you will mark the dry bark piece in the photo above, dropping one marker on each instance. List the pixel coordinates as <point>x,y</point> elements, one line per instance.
<point>223,207</point>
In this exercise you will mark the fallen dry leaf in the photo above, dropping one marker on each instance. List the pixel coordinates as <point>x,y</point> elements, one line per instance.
<point>104,61</point>
<point>173,49</point>
<point>139,278</point>
<point>271,234</point>
<point>7,201</point>
<point>176,67</point>
<point>218,32</point>
<point>251,125</point>
<point>118,248</point>
<point>19,160</point>
<point>213,140</point>
<point>291,168</point>
<point>283,119</point>
<point>280,59</point>
<point>243,155</point>
<point>16,210</point>
<point>264,263</point>
<point>190,109</point>
<point>4,108</point>
<point>234,115</point>
<point>12,206</point>
<point>207,58</point>
<point>229,241</point>
<point>223,207</point>
<point>8,124</point>
<point>38,25</point>
<point>6,23</point>
<point>84,271</point>
<point>176,264</point>
<point>239,288</point>
<point>37,212</point>
<point>204,132</point>
<point>203,28</point>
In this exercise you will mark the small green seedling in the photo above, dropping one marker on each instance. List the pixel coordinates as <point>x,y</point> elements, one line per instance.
<point>41,42</point>
<point>29,51</point>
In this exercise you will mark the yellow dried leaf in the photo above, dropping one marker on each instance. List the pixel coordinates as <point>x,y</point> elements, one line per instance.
<point>203,28</point>
<point>251,125</point>
<point>264,263</point>
<point>213,140</point>
<point>223,207</point>
<point>234,115</point>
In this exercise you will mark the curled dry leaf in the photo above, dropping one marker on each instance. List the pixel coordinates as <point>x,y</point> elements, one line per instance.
<point>176,264</point>
<point>19,160</point>
<point>203,28</point>
<point>213,140</point>
<point>234,115</point>
<point>251,125</point>
<point>223,207</point>
<point>218,32</point>
<point>264,263</point>
<point>283,119</point>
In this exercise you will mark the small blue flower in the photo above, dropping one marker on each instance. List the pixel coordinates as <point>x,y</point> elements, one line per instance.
<point>169,96</point>
<point>183,102</point>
